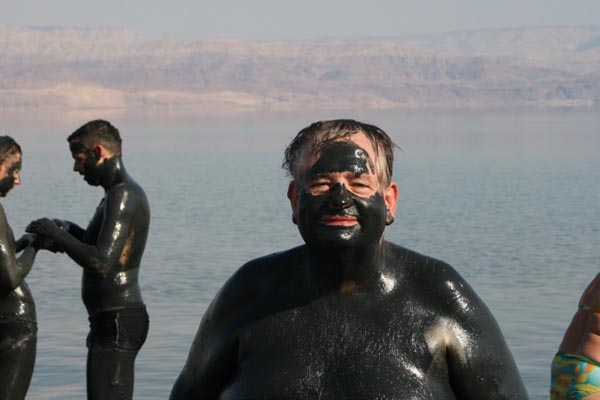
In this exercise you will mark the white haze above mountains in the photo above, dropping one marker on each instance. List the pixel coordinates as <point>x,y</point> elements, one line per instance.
<point>69,68</point>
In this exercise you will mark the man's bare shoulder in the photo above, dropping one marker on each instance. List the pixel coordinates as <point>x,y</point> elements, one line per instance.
<point>401,258</point>
<point>440,282</point>
<point>128,194</point>
<point>128,185</point>
<point>264,274</point>
<point>258,286</point>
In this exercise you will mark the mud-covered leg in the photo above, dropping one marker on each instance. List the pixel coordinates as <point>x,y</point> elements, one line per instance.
<point>16,368</point>
<point>110,373</point>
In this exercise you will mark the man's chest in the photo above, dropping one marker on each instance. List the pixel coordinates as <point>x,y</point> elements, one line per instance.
<point>339,350</point>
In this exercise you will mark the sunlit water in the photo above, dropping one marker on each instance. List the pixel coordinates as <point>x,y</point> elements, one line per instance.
<point>511,201</point>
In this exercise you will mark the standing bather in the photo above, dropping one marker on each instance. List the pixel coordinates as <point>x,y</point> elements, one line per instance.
<point>110,252</point>
<point>18,327</point>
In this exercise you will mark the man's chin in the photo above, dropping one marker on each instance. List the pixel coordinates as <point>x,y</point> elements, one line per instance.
<point>336,236</point>
<point>91,182</point>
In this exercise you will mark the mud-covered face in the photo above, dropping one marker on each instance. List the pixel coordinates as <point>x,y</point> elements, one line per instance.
<point>339,200</point>
<point>86,163</point>
<point>10,174</point>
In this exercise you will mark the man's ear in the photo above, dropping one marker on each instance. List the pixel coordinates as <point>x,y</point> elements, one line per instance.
<point>390,196</point>
<point>99,152</point>
<point>292,194</point>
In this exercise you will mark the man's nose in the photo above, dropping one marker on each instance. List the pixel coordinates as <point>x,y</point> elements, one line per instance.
<point>339,196</point>
<point>18,179</point>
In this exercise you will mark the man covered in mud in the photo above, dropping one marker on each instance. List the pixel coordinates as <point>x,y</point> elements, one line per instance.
<point>109,251</point>
<point>348,315</point>
<point>18,326</point>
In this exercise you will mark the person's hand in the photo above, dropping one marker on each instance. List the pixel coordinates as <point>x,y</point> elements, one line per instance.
<point>44,227</point>
<point>46,243</point>
<point>62,224</point>
<point>24,241</point>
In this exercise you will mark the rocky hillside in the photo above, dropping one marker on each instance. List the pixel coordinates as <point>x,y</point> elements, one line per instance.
<point>67,68</point>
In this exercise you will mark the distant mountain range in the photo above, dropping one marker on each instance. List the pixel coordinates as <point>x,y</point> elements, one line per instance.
<point>73,68</point>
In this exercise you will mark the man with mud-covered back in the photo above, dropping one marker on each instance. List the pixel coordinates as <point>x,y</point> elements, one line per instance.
<point>347,315</point>
<point>109,251</point>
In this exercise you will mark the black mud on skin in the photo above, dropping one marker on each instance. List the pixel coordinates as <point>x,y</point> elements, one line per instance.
<point>338,157</point>
<point>8,182</point>
<point>342,156</point>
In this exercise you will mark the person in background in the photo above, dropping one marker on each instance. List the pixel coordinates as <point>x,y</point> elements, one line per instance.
<point>347,315</point>
<point>576,366</point>
<point>18,326</point>
<point>109,251</point>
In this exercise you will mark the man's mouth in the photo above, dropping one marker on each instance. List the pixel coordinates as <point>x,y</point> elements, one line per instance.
<point>338,220</point>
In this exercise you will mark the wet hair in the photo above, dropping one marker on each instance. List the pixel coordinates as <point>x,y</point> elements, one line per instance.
<point>98,132</point>
<point>313,137</point>
<point>8,147</point>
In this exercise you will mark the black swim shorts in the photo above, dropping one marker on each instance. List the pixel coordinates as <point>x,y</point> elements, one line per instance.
<point>124,329</point>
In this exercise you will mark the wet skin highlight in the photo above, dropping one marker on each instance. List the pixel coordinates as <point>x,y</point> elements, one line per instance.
<point>347,315</point>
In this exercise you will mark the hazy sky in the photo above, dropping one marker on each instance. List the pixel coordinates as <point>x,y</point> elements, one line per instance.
<point>304,19</point>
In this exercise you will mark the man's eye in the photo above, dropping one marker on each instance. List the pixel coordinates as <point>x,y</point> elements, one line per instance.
<point>360,184</point>
<point>318,187</point>
<point>362,188</point>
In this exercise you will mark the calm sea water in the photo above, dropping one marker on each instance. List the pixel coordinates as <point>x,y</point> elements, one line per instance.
<point>510,200</point>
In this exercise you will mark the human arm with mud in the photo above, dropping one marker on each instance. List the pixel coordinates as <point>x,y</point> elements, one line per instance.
<point>13,269</point>
<point>100,255</point>
<point>71,227</point>
<point>480,364</point>
<point>213,357</point>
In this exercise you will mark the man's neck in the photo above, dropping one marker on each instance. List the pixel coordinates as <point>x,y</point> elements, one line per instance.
<point>344,270</point>
<point>114,172</point>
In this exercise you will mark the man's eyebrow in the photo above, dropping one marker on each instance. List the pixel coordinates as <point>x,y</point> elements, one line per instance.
<point>316,175</point>
<point>326,174</point>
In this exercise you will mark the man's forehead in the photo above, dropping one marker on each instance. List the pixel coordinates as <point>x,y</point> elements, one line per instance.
<point>358,141</point>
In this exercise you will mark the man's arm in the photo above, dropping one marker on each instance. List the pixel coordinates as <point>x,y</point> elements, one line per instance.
<point>104,254</point>
<point>24,241</point>
<point>12,269</point>
<point>213,357</point>
<point>208,366</point>
<point>480,364</point>
<point>71,227</point>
